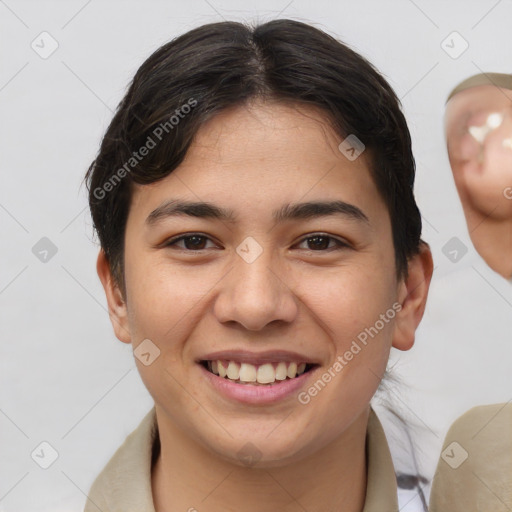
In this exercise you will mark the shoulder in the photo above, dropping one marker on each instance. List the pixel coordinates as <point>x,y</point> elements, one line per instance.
<point>483,419</point>
<point>125,481</point>
<point>474,471</point>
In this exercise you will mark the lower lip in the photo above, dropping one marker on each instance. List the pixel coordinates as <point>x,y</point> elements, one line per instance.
<point>259,394</point>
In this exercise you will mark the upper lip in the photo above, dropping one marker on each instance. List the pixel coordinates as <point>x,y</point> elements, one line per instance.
<point>257,358</point>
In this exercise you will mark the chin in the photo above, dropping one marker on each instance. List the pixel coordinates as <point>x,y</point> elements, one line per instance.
<point>260,452</point>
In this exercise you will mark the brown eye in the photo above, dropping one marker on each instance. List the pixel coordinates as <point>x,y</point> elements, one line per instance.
<point>194,242</point>
<point>318,242</point>
<point>322,242</point>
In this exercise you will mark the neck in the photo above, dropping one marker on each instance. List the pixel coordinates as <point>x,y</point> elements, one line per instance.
<point>188,477</point>
<point>493,241</point>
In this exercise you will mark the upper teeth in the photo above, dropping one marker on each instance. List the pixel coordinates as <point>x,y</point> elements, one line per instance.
<point>262,374</point>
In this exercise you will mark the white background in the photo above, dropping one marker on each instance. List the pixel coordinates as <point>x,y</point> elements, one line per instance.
<point>64,377</point>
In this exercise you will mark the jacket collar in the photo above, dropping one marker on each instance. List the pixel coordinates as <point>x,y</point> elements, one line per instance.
<point>125,482</point>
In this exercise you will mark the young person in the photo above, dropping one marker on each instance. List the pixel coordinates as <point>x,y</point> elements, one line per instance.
<point>261,251</point>
<point>478,128</point>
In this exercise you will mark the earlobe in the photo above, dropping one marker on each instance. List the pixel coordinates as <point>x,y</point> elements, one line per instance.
<point>413,294</point>
<point>117,309</point>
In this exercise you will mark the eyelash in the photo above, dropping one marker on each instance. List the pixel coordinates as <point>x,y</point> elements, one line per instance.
<point>340,244</point>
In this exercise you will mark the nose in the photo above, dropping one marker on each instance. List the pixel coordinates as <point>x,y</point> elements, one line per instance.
<point>256,294</point>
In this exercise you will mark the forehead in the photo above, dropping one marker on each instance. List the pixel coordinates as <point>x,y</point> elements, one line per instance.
<point>267,153</point>
<point>271,130</point>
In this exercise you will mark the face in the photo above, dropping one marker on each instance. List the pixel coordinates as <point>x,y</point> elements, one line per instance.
<point>478,124</point>
<point>264,283</point>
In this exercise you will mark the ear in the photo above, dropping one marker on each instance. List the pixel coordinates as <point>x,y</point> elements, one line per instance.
<point>412,295</point>
<point>117,309</point>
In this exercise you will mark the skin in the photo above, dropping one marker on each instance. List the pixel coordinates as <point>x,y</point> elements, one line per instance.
<point>483,174</point>
<point>294,296</point>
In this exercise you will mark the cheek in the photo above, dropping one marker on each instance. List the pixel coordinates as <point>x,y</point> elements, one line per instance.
<point>360,316</point>
<point>163,305</point>
<point>352,302</point>
<point>161,296</point>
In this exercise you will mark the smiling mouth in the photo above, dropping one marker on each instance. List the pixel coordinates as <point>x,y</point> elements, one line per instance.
<point>263,374</point>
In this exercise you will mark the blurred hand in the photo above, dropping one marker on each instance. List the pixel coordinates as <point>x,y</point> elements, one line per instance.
<point>479,140</point>
<point>478,124</point>
<point>488,166</point>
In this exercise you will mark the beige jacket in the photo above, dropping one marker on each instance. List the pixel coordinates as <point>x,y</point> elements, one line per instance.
<point>124,485</point>
<point>474,473</point>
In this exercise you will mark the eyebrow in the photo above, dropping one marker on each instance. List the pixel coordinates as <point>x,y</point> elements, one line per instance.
<point>294,211</point>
